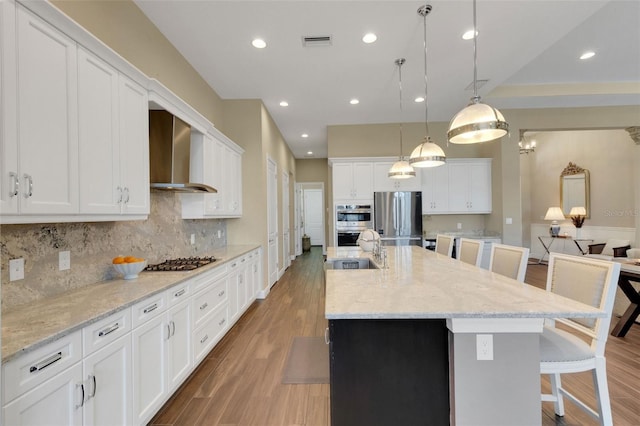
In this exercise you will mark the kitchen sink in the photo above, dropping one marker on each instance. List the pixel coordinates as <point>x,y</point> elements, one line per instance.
<point>350,263</point>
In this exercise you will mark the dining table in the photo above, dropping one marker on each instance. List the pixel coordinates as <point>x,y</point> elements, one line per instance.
<point>629,272</point>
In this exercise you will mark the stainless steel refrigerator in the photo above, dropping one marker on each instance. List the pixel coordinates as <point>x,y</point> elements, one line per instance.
<point>398,217</point>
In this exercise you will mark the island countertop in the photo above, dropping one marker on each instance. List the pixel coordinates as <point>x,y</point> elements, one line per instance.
<point>419,283</point>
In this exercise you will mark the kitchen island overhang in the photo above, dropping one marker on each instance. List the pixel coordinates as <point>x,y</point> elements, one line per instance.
<point>439,294</point>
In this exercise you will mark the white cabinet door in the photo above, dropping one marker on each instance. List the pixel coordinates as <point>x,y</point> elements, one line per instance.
<point>179,351</point>
<point>234,303</point>
<point>234,182</point>
<point>9,178</point>
<point>47,118</point>
<point>108,384</point>
<point>383,183</point>
<point>435,190</point>
<point>149,368</point>
<point>98,135</point>
<point>56,402</point>
<point>470,186</point>
<point>353,181</point>
<point>134,147</point>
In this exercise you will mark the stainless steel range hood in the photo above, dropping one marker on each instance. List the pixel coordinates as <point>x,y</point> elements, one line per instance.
<point>170,154</point>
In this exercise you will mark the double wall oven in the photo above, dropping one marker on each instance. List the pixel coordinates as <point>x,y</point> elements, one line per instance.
<point>351,220</point>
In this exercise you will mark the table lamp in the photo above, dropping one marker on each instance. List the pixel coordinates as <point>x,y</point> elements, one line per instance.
<point>554,214</point>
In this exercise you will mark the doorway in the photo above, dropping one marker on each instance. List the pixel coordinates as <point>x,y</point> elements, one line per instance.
<point>272,220</point>
<point>312,206</point>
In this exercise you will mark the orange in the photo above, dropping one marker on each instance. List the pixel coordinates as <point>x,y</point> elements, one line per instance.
<point>130,259</point>
<point>118,259</point>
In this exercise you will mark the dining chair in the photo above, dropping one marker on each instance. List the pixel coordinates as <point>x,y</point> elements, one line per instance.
<point>470,251</point>
<point>444,244</point>
<point>510,261</point>
<point>593,282</point>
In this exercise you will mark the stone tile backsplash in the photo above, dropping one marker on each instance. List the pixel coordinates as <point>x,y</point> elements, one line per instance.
<point>93,244</point>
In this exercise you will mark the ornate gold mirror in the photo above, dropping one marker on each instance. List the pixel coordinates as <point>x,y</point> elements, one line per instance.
<point>574,188</point>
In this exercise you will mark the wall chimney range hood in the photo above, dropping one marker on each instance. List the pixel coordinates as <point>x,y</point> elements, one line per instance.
<point>170,154</point>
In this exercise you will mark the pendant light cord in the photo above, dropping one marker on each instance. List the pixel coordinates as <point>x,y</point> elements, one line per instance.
<point>475,55</point>
<point>400,62</point>
<point>426,104</point>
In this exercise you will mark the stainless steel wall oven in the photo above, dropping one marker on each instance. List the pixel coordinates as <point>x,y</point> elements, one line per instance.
<point>351,219</point>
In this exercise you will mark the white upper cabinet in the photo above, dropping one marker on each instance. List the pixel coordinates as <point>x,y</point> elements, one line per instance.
<point>353,181</point>
<point>75,133</point>
<point>382,182</point>
<point>217,162</point>
<point>470,185</point>
<point>435,190</point>
<point>40,169</point>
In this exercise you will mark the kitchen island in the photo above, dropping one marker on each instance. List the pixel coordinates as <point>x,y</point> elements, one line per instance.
<point>404,341</point>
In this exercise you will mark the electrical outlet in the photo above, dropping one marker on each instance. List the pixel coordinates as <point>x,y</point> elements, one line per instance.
<point>459,226</point>
<point>64,260</point>
<point>219,233</point>
<point>484,347</point>
<point>16,269</point>
<point>193,239</point>
<point>509,221</point>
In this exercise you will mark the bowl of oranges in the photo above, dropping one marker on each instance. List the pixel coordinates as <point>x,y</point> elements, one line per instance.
<point>129,266</point>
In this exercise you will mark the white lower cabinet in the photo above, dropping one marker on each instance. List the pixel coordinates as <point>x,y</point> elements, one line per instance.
<point>120,370</point>
<point>57,401</point>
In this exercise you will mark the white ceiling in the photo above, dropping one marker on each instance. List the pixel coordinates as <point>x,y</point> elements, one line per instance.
<point>527,49</point>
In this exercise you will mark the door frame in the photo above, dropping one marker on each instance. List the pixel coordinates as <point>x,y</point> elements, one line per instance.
<point>316,186</point>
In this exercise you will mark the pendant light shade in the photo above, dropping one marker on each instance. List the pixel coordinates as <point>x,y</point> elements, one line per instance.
<point>477,122</point>
<point>427,154</point>
<point>401,169</point>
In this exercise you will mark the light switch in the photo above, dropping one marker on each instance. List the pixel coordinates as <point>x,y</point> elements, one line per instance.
<point>16,269</point>
<point>459,226</point>
<point>509,221</point>
<point>64,260</point>
<point>193,239</point>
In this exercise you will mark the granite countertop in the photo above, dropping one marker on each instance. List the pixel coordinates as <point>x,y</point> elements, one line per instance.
<point>423,284</point>
<point>35,324</point>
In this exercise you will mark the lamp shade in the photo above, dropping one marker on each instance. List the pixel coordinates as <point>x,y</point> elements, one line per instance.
<point>401,170</point>
<point>554,213</point>
<point>477,123</point>
<point>427,154</point>
<point>578,211</point>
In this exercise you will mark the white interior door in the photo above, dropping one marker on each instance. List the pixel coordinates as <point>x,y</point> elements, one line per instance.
<point>313,216</point>
<point>272,219</point>
<point>286,227</point>
<point>298,220</point>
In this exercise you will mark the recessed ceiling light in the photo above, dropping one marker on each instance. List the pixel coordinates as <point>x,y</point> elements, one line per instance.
<point>284,103</point>
<point>309,152</point>
<point>369,38</point>
<point>258,43</point>
<point>468,35</point>
<point>304,135</point>
<point>419,99</point>
<point>587,55</point>
<point>354,101</point>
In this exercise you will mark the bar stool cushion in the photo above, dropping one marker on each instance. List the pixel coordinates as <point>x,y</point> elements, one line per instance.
<point>559,346</point>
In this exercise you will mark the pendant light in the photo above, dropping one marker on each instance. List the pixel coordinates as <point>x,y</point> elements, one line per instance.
<point>427,154</point>
<point>401,169</point>
<point>477,122</point>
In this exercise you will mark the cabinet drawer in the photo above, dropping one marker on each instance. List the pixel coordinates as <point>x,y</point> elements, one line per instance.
<point>147,309</point>
<point>33,368</point>
<point>178,293</point>
<point>206,336</point>
<point>105,331</point>
<point>208,300</point>
<point>205,279</point>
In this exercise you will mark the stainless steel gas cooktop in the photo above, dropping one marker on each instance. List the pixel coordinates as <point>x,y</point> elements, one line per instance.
<point>181,264</point>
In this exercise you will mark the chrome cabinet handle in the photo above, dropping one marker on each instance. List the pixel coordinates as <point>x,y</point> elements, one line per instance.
<point>326,336</point>
<point>173,328</point>
<point>81,386</point>
<point>204,306</point>
<point>179,293</point>
<point>46,362</point>
<point>15,182</point>
<point>151,308</point>
<point>221,293</point>
<point>119,189</point>
<point>126,190</point>
<point>29,180</point>
<point>204,339</point>
<point>95,386</point>
<point>222,322</point>
<point>168,331</point>
<point>109,330</point>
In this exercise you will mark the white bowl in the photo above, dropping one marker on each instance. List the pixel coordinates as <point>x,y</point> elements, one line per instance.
<point>130,270</point>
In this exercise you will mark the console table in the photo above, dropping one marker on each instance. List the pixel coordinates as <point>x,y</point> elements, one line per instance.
<point>547,242</point>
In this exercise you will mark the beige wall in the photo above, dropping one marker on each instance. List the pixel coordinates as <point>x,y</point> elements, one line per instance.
<point>123,27</point>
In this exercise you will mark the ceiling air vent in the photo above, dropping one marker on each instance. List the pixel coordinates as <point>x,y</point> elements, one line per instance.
<point>316,41</point>
<point>479,82</point>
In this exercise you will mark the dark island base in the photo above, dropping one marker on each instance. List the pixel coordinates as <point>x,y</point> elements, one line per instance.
<point>389,372</point>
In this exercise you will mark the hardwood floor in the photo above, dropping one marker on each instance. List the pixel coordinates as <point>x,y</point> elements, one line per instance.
<point>239,382</point>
